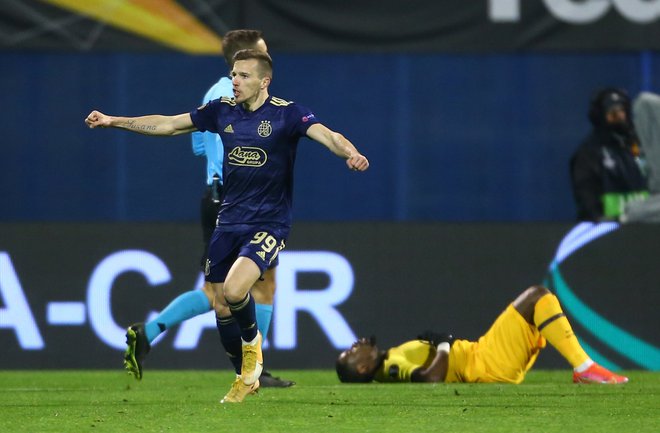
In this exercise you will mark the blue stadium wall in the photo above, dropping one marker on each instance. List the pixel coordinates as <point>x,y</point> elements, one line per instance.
<point>451,137</point>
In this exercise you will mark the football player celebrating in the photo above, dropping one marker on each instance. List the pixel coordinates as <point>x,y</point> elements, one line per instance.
<point>260,135</point>
<point>504,354</point>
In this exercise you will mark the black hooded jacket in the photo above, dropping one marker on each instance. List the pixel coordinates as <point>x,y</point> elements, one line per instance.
<point>606,164</point>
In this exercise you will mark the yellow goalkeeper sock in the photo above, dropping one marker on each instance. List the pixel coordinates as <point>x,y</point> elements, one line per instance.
<point>554,326</point>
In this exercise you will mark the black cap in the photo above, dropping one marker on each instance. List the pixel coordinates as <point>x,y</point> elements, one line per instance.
<point>604,100</point>
<point>613,100</point>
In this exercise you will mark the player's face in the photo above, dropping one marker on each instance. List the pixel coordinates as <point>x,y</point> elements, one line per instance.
<point>616,115</point>
<point>363,354</point>
<point>246,81</point>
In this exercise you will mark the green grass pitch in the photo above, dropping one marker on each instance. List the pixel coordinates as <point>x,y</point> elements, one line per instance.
<point>187,401</point>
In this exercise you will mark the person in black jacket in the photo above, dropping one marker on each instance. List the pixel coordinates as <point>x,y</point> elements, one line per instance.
<point>607,168</point>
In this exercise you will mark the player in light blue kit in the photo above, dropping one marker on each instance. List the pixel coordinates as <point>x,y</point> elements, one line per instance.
<point>260,135</point>
<point>210,145</point>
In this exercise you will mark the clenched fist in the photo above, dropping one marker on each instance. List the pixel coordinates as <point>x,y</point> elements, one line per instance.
<point>96,119</point>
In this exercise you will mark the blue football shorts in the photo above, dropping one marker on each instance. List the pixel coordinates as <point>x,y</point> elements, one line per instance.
<point>260,244</point>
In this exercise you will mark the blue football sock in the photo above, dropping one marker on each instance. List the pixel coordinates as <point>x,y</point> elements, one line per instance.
<point>230,337</point>
<point>264,315</point>
<point>245,314</point>
<point>184,307</point>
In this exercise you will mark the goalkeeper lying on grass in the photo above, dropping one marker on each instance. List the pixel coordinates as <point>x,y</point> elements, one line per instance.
<point>503,354</point>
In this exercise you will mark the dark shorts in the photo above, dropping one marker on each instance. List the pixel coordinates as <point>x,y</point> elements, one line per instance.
<point>262,245</point>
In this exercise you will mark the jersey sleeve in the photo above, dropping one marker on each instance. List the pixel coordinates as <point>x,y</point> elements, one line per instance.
<point>301,118</point>
<point>205,117</point>
<point>200,140</point>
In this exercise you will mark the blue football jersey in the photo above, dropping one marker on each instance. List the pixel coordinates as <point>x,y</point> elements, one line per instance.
<point>259,156</point>
<point>209,144</point>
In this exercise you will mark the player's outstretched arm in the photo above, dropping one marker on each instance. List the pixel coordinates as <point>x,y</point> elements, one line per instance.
<point>154,124</point>
<point>339,145</point>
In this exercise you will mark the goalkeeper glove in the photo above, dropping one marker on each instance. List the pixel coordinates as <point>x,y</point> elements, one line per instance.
<point>436,338</point>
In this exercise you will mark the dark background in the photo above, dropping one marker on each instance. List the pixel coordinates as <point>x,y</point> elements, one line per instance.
<point>408,278</point>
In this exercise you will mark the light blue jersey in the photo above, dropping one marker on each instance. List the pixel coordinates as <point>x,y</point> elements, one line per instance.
<point>209,144</point>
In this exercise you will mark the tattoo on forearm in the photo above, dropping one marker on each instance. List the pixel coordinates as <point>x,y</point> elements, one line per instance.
<point>130,124</point>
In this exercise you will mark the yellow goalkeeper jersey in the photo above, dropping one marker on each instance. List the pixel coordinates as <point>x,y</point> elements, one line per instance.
<point>401,361</point>
<point>504,354</point>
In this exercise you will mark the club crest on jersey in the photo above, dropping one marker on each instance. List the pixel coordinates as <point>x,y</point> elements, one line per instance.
<point>247,156</point>
<point>264,129</point>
